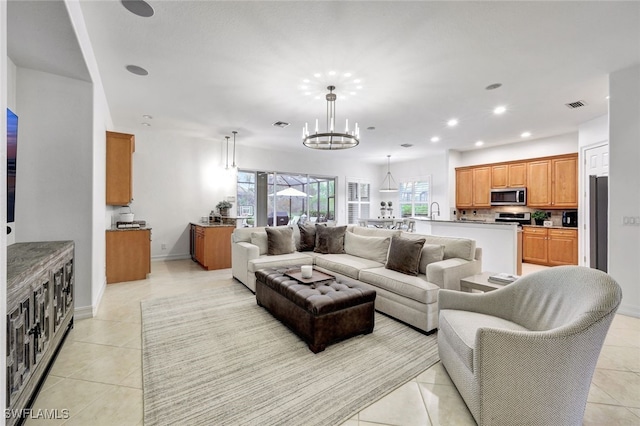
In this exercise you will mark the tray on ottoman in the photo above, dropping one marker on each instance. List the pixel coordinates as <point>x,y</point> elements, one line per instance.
<point>321,313</point>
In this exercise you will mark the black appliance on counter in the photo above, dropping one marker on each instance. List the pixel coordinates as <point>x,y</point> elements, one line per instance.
<point>519,218</point>
<point>570,219</point>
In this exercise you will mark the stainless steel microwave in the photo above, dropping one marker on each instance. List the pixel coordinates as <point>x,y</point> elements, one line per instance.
<point>509,197</point>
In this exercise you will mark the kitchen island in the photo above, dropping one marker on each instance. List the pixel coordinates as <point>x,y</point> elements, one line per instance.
<point>501,242</point>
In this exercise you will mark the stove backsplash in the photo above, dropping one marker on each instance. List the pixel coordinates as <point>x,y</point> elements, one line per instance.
<point>488,215</point>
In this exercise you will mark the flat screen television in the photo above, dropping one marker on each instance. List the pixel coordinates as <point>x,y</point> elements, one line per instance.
<point>12,150</point>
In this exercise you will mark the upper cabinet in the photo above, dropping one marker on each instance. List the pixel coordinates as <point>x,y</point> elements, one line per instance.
<point>473,187</point>
<point>513,175</point>
<point>120,149</point>
<point>553,182</point>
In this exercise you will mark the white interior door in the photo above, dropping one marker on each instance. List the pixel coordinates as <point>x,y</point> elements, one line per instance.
<point>596,164</point>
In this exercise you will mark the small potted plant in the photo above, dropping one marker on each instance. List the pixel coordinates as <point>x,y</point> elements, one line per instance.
<point>539,216</point>
<point>390,208</point>
<point>223,207</point>
<point>383,208</point>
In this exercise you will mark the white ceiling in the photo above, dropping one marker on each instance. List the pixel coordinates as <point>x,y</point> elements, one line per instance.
<point>218,66</point>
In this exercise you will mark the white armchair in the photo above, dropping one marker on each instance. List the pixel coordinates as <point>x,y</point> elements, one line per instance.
<point>525,354</point>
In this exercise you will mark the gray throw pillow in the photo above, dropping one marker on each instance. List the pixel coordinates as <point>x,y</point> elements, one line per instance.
<point>329,240</point>
<point>404,255</point>
<point>430,253</point>
<point>260,239</point>
<point>280,241</point>
<point>307,236</point>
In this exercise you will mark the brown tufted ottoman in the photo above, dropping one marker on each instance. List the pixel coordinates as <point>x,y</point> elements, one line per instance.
<point>319,313</point>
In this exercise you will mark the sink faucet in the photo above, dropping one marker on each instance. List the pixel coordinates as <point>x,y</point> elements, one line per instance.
<point>433,213</point>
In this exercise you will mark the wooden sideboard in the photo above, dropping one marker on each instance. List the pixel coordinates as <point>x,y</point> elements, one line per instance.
<point>40,304</point>
<point>128,254</point>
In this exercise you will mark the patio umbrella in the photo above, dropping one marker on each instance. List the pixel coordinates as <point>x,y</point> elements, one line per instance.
<point>291,192</point>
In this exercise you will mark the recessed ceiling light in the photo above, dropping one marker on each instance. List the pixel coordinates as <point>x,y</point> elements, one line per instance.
<point>138,7</point>
<point>332,73</point>
<point>525,134</point>
<point>493,86</point>
<point>499,110</point>
<point>317,75</point>
<point>306,80</point>
<point>304,87</point>
<point>453,122</point>
<point>134,69</point>
<point>347,74</point>
<point>435,139</point>
<point>146,124</point>
<point>147,116</point>
<point>307,93</point>
<point>479,143</point>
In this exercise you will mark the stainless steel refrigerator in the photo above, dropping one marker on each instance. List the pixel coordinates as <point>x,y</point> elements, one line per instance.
<point>598,221</point>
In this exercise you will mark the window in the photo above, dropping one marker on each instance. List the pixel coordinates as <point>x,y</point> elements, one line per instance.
<point>414,197</point>
<point>259,192</point>
<point>358,200</point>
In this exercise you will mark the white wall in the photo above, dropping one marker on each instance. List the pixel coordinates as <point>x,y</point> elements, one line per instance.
<point>555,145</point>
<point>3,194</point>
<point>54,176</point>
<point>594,131</point>
<point>178,179</point>
<point>624,179</point>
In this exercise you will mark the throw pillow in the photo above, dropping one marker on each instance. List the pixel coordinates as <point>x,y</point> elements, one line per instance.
<point>404,255</point>
<point>329,239</point>
<point>307,237</point>
<point>260,239</point>
<point>372,248</point>
<point>280,241</point>
<point>430,253</point>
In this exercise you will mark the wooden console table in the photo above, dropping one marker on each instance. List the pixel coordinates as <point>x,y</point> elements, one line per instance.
<point>40,292</point>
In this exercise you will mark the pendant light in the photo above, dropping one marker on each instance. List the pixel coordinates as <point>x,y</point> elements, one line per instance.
<point>234,149</point>
<point>389,183</point>
<point>227,166</point>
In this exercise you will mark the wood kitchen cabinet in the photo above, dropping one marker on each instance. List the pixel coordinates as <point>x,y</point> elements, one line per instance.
<point>550,246</point>
<point>128,255</point>
<point>211,246</point>
<point>553,183</point>
<point>513,175</point>
<point>120,149</point>
<point>473,187</point>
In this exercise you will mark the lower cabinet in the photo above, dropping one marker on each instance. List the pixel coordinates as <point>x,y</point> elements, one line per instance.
<point>40,291</point>
<point>211,246</point>
<point>550,246</point>
<point>128,255</point>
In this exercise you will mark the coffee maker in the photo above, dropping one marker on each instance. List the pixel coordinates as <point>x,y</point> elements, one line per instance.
<point>570,219</point>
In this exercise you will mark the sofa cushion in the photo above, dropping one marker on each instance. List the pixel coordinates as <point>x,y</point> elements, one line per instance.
<point>404,255</point>
<point>345,264</point>
<point>464,248</point>
<point>372,248</point>
<point>376,232</point>
<point>291,259</point>
<point>260,239</point>
<point>307,236</point>
<point>430,253</point>
<point>280,241</point>
<point>330,239</point>
<point>460,327</point>
<point>416,288</point>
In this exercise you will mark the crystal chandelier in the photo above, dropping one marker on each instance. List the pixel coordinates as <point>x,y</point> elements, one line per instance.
<point>331,139</point>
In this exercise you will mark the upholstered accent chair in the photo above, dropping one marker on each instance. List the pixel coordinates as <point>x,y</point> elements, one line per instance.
<point>526,353</point>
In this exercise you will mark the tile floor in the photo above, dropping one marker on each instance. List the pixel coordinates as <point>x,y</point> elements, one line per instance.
<point>97,375</point>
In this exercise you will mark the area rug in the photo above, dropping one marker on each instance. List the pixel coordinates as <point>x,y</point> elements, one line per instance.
<point>216,358</point>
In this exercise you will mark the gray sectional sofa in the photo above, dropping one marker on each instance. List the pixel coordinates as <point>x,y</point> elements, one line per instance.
<point>366,255</point>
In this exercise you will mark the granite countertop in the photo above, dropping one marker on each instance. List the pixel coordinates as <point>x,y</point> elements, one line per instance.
<point>213,225</point>
<point>468,221</point>
<point>552,227</point>
<point>129,229</point>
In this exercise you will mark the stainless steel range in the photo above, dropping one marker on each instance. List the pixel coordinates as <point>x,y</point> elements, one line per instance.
<point>519,218</point>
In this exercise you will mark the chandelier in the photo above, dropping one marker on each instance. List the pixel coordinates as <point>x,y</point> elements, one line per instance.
<point>331,139</point>
<point>389,183</point>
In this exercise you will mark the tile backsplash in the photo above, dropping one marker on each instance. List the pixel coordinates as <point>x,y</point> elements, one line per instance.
<point>488,215</point>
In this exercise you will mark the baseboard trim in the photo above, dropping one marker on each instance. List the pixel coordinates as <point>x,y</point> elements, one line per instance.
<point>631,311</point>
<point>159,258</point>
<point>83,312</point>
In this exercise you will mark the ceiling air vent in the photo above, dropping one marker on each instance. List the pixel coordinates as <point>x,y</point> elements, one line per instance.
<point>406,145</point>
<point>281,124</point>
<point>576,104</point>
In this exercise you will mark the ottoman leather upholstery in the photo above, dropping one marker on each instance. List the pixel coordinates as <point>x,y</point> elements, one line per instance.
<point>320,313</point>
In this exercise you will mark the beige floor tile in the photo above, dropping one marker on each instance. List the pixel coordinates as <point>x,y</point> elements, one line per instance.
<point>619,358</point>
<point>120,406</point>
<point>133,380</point>
<point>70,394</point>
<point>350,422</point>
<point>625,321</point>
<point>623,386</point>
<point>601,414</point>
<point>597,395</point>
<point>75,356</point>
<point>626,337</point>
<point>113,367</point>
<point>436,375</point>
<point>404,406</point>
<point>445,405</point>
<point>112,333</point>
